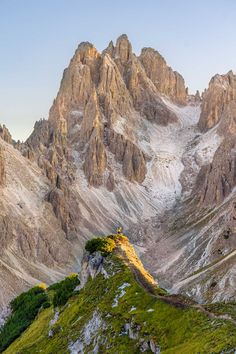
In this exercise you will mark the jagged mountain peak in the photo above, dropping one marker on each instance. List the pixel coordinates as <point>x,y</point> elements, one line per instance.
<point>86,50</point>
<point>123,89</point>
<point>122,145</point>
<point>123,49</point>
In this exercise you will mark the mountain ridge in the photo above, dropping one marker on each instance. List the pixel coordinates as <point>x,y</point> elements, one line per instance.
<point>125,144</point>
<point>110,311</point>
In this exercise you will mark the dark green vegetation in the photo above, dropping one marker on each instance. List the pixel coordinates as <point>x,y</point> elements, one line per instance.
<point>102,310</point>
<point>104,245</point>
<point>24,310</point>
<point>27,306</point>
<point>64,289</point>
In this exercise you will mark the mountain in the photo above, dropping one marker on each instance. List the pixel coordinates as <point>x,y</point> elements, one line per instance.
<point>33,245</point>
<point>124,144</point>
<point>117,308</point>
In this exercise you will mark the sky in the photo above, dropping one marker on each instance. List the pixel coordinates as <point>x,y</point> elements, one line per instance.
<point>39,37</point>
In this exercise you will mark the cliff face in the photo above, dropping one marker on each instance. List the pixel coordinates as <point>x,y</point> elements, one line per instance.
<point>33,245</point>
<point>217,180</point>
<point>5,134</point>
<point>167,81</point>
<point>221,91</point>
<point>97,90</point>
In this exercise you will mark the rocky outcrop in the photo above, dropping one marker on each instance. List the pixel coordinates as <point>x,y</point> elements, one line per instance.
<point>76,84</point>
<point>123,50</point>
<point>5,134</point>
<point>95,161</point>
<point>221,90</point>
<point>59,201</point>
<point>92,120</point>
<point>145,96</point>
<point>216,181</point>
<point>131,157</point>
<point>114,96</point>
<point>92,265</point>
<point>39,138</point>
<point>167,81</point>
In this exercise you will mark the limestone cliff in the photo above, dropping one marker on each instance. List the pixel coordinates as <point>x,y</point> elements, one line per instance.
<point>167,81</point>
<point>5,134</point>
<point>221,90</point>
<point>97,91</point>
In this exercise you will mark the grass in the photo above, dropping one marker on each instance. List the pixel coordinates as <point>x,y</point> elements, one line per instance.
<point>222,308</point>
<point>175,330</point>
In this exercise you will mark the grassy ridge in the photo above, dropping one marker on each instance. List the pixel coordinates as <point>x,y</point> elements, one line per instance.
<point>175,330</point>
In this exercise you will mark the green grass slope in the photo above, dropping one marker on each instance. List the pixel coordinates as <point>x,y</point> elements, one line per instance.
<point>118,313</point>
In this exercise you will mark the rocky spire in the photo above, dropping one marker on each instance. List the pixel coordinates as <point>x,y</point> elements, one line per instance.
<point>123,49</point>
<point>5,134</point>
<point>113,93</point>
<point>167,81</point>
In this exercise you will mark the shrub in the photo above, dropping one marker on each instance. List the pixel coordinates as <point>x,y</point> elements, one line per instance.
<point>46,305</point>
<point>104,245</point>
<point>64,289</point>
<point>42,286</point>
<point>24,308</point>
<point>118,237</point>
<point>108,246</point>
<point>94,245</point>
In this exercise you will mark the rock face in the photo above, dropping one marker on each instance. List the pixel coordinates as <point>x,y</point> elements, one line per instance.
<point>217,180</point>
<point>5,134</point>
<point>97,91</point>
<point>131,158</point>
<point>92,265</point>
<point>221,90</point>
<point>167,81</point>
<point>33,245</point>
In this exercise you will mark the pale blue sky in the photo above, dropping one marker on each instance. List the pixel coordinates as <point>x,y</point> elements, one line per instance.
<point>38,38</point>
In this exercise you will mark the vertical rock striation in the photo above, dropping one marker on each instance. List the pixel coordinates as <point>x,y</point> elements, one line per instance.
<point>221,91</point>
